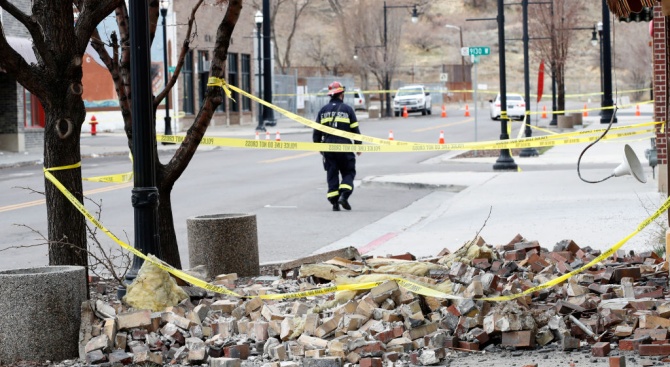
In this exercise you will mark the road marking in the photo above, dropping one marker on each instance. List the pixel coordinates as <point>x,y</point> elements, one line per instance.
<point>42,201</point>
<point>295,156</point>
<point>437,127</point>
<point>376,243</point>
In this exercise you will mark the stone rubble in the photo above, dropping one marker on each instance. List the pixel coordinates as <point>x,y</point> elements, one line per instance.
<point>618,306</point>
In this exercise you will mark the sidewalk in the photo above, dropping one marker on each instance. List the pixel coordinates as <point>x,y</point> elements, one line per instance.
<point>547,205</point>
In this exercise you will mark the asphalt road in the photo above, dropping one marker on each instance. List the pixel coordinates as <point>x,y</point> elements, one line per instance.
<point>284,189</point>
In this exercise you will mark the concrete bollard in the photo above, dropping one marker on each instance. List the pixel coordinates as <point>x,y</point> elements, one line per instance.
<point>224,243</point>
<point>565,122</point>
<point>577,119</point>
<point>40,313</point>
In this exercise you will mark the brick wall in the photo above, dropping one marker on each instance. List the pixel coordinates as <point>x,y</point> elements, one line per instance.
<point>660,82</point>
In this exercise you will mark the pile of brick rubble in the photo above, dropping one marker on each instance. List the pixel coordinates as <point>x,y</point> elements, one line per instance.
<point>615,306</point>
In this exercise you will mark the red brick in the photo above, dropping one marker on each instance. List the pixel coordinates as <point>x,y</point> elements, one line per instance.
<point>631,344</point>
<point>391,356</point>
<point>618,361</point>
<point>370,362</point>
<point>240,351</point>
<point>519,339</point>
<point>406,256</point>
<point>600,349</point>
<point>654,350</point>
<point>385,336</point>
<point>655,334</point>
<point>468,345</point>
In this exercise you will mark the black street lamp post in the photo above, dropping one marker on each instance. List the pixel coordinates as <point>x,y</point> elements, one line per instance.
<point>168,122</point>
<point>258,18</point>
<point>268,113</point>
<point>505,160</point>
<point>607,102</point>
<point>526,152</point>
<point>387,81</point>
<point>144,193</point>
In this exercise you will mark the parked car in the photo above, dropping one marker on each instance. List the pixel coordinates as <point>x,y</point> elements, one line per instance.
<point>415,98</point>
<point>516,107</point>
<point>359,99</point>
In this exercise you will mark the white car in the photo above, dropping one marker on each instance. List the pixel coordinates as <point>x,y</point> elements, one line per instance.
<point>516,107</point>
<point>359,99</point>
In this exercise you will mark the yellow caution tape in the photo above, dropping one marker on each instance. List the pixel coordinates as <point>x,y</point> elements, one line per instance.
<point>216,82</point>
<point>117,178</point>
<point>538,141</point>
<point>412,286</point>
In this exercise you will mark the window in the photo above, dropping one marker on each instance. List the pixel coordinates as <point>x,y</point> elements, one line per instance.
<point>32,111</point>
<point>203,74</point>
<point>233,80</point>
<point>187,72</point>
<point>245,82</point>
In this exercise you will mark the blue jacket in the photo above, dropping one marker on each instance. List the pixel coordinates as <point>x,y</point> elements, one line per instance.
<point>338,115</point>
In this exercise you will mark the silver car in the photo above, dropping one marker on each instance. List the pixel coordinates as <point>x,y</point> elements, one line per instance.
<point>516,107</point>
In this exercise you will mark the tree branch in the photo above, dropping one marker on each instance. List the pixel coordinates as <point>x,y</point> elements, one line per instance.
<point>91,13</point>
<point>213,98</point>
<point>182,55</point>
<point>14,64</point>
<point>30,24</point>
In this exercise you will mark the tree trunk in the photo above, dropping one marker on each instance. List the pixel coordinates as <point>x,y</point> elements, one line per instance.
<point>66,226</point>
<point>168,236</point>
<point>560,88</point>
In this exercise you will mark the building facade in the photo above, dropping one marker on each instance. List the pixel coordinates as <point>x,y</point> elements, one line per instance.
<point>22,117</point>
<point>21,114</point>
<point>239,67</point>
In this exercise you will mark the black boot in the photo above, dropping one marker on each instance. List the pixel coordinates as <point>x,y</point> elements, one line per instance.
<point>344,202</point>
<point>336,207</point>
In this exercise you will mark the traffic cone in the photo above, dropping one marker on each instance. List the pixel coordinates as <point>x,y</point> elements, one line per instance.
<point>277,137</point>
<point>444,110</point>
<point>467,111</point>
<point>637,110</point>
<point>257,137</point>
<point>267,135</point>
<point>391,133</point>
<point>544,112</point>
<point>404,112</point>
<point>441,141</point>
<point>585,113</point>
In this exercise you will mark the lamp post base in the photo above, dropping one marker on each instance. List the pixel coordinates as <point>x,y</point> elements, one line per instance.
<point>270,122</point>
<point>529,152</point>
<point>260,128</point>
<point>606,117</point>
<point>505,162</point>
<point>168,129</point>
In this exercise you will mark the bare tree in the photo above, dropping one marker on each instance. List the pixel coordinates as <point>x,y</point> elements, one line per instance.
<point>119,66</point>
<point>56,80</point>
<point>633,39</point>
<point>284,22</point>
<point>554,27</point>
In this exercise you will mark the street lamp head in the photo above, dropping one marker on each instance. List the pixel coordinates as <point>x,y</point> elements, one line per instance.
<point>164,4</point>
<point>415,15</point>
<point>600,26</point>
<point>594,38</point>
<point>258,18</point>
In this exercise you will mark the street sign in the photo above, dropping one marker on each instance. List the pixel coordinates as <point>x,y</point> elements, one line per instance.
<point>171,69</point>
<point>444,77</point>
<point>477,51</point>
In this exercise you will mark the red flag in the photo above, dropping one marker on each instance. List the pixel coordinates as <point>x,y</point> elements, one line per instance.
<point>540,81</point>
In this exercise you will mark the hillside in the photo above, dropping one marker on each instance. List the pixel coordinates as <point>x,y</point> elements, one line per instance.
<point>428,45</point>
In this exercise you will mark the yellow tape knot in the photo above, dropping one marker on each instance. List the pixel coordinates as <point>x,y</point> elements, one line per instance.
<point>216,82</point>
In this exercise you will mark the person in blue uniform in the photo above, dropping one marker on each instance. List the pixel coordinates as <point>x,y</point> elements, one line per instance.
<point>338,115</point>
